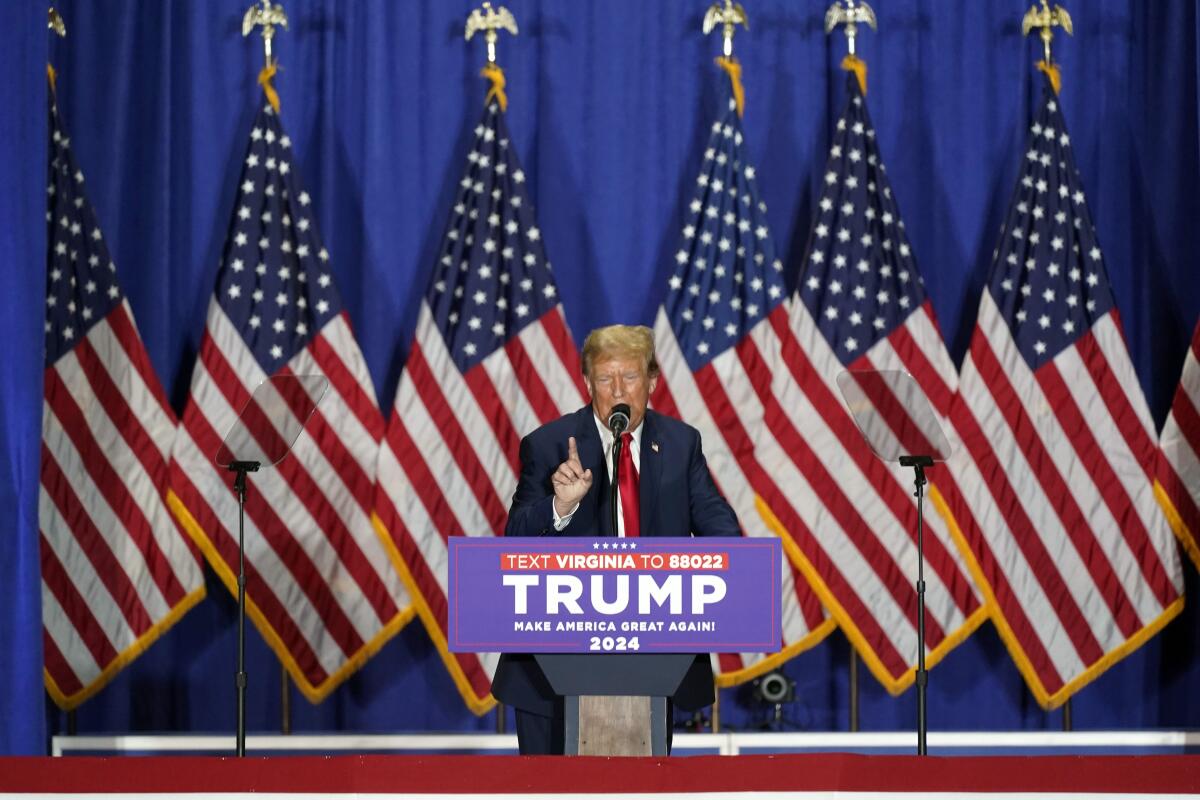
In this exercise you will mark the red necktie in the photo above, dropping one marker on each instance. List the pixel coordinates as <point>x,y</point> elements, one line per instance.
<point>627,486</point>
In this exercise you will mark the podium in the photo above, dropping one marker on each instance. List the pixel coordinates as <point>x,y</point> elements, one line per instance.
<point>607,629</point>
<point>615,704</point>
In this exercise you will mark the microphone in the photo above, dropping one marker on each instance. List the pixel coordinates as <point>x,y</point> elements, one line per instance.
<point>618,419</point>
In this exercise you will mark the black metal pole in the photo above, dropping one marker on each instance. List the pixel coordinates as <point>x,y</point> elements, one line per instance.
<point>918,463</point>
<point>240,468</point>
<point>853,690</point>
<point>1066,719</point>
<point>239,483</point>
<point>285,701</point>
<point>922,675</point>
<point>613,495</point>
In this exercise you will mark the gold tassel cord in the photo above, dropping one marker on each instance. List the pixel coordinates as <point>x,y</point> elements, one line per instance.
<point>1051,71</point>
<point>734,69</point>
<point>496,75</point>
<point>859,68</point>
<point>264,80</point>
<point>52,76</point>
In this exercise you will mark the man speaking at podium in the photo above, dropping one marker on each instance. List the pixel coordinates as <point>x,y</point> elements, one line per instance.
<point>565,487</point>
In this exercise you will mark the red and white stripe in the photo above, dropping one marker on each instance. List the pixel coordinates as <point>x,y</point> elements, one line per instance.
<point>1179,444</point>
<point>116,571</point>
<point>319,581</point>
<point>1055,498</point>
<point>722,402</point>
<point>449,462</point>
<point>851,516</point>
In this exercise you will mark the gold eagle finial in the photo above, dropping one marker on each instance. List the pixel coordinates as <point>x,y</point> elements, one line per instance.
<point>489,20</point>
<point>56,22</point>
<point>849,13</point>
<point>727,15</point>
<point>268,17</point>
<point>1046,19</point>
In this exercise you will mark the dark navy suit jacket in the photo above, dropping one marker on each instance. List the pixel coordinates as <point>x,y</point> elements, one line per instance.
<point>677,498</point>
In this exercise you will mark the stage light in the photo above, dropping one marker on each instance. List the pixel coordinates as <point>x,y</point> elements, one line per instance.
<point>775,689</point>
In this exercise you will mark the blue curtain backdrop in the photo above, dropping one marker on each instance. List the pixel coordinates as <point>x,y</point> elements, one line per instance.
<point>609,106</point>
<point>22,276</point>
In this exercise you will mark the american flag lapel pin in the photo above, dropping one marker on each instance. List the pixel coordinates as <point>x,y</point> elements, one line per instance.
<point>654,446</point>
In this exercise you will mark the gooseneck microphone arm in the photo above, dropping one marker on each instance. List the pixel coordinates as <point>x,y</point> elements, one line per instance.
<point>618,421</point>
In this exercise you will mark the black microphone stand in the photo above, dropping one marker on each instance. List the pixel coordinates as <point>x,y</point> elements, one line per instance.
<point>618,421</point>
<point>613,495</point>
<point>919,463</point>
<point>240,468</point>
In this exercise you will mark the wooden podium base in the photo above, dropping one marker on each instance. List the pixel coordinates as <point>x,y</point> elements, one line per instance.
<point>614,726</point>
<point>615,702</point>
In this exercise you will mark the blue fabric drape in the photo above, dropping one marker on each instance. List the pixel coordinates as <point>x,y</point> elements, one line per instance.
<point>609,106</point>
<point>22,278</point>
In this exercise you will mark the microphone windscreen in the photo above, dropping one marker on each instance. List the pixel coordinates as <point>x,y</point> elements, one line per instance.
<point>618,418</point>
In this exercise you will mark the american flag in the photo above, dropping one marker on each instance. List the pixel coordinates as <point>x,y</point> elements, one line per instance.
<point>116,571</point>
<point>320,587</point>
<point>491,361</point>
<point>1056,469</point>
<point>860,305</point>
<point>1179,464</point>
<point>726,287</point>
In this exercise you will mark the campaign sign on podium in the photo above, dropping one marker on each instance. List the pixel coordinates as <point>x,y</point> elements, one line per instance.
<point>606,595</point>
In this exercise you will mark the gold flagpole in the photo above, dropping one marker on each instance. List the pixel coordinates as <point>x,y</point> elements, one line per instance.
<point>490,21</point>
<point>729,15</point>
<point>57,25</point>
<point>851,13</point>
<point>56,22</point>
<point>266,16</point>
<point>1045,20</point>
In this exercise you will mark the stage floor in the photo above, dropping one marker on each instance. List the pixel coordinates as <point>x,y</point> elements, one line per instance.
<point>840,775</point>
<point>843,775</point>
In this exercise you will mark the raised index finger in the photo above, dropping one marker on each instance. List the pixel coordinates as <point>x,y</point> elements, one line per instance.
<point>572,450</point>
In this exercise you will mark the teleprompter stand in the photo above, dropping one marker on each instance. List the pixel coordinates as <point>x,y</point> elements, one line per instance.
<point>615,704</point>
<point>261,436</point>
<point>900,426</point>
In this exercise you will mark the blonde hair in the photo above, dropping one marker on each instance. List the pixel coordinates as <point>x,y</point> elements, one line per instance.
<point>620,341</point>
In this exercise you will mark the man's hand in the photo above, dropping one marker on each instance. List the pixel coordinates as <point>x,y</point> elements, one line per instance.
<point>571,481</point>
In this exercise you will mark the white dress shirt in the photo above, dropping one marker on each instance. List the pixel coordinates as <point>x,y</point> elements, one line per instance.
<point>606,441</point>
